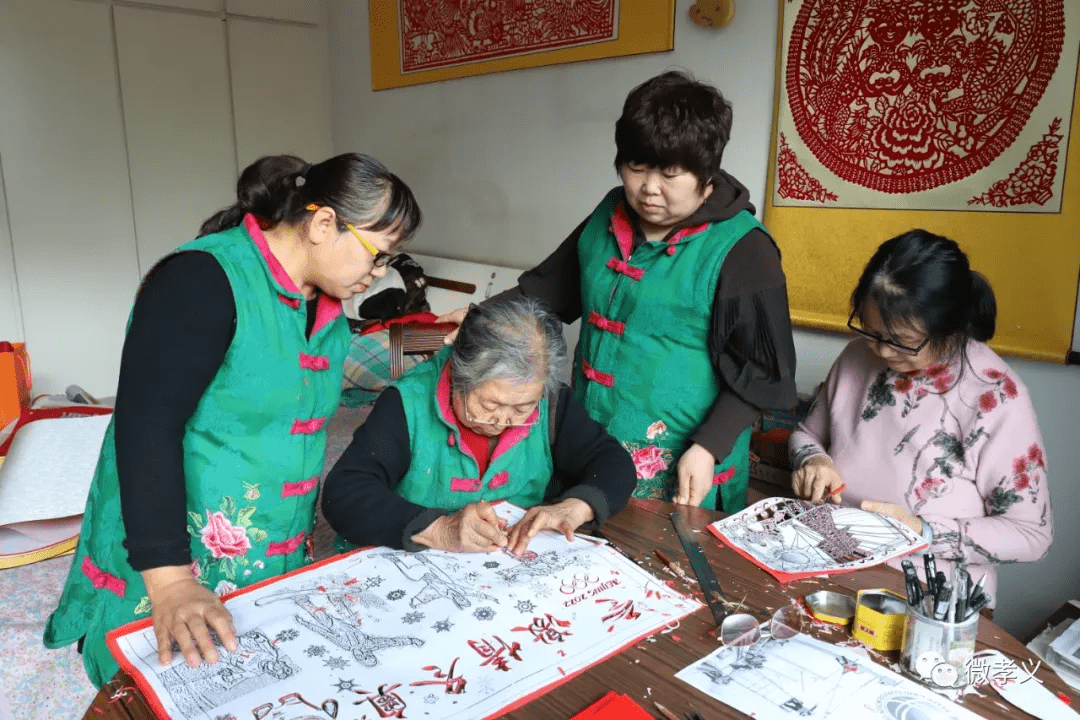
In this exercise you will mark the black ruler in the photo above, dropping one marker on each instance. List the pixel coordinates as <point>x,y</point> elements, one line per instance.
<point>714,596</point>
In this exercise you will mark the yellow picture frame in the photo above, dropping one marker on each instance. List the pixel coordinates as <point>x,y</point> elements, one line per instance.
<point>645,26</point>
<point>1032,260</point>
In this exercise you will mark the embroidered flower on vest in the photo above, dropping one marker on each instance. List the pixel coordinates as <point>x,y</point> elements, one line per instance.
<point>222,538</point>
<point>655,430</point>
<point>224,588</point>
<point>649,460</point>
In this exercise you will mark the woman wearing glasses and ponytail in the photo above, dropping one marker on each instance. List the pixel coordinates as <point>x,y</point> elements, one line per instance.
<point>230,369</point>
<point>920,420</point>
<point>486,419</point>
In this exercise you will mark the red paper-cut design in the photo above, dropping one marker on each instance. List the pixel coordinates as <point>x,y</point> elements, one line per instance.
<point>546,629</point>
<point>792,179</point>
<point>1033,179</point>
<point>494,656</point>
<point>444,33</point>
<point>452,685</point>
<point>904,97</point>
<point>386,702</point>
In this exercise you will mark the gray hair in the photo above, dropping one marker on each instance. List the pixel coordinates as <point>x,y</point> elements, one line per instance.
<point>514,339</point>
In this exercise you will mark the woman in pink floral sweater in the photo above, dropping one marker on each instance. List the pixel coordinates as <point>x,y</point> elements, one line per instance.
<point>922,421</point>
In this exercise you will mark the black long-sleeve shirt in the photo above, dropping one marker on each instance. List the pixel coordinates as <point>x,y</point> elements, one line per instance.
<point>181,327</point>
<point>750,341</point>
<point>361,504</point>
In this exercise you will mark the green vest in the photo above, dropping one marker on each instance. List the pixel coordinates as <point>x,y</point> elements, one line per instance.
<point>443,472</point>
<point>253,455</point>
<point>642,365</point>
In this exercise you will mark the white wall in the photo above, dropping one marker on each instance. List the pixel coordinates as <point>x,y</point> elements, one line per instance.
<point>505,165</point>
<point>123,125</point>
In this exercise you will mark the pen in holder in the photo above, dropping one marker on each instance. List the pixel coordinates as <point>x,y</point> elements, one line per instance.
<point>938,653</point>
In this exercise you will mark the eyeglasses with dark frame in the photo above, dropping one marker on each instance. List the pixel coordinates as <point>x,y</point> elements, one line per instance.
<point>875,338</point>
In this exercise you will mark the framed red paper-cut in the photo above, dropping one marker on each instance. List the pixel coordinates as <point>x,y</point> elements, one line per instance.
<point>951,115</point>
<point>420,41</point>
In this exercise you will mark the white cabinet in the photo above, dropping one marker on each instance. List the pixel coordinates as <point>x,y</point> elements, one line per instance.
<point>281,90</point>
<point>66,187</point>
<point>306,11</point>
<point>178,122</point>
<point>122,128</point>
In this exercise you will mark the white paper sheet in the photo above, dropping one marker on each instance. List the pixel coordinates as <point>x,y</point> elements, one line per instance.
<point>806,678</point>
<point>1023,690</point>
<point>49,467</point>
<point>386,633</point>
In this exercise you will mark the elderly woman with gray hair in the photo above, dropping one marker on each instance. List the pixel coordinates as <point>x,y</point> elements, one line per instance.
<point>484,420</point>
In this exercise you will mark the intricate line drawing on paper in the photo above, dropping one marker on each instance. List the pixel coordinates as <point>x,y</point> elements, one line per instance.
<point>309,637</point>
<point>437,583</point>
<point>257,663</point>
<point>294,707</point>
<point>804,677</point>
<point>337,622</point>
<point>533,565</point>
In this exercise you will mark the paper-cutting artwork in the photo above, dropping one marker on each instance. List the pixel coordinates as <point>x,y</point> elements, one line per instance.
<point>802,677</point>
<point>792,539</point>
<point>441,34</point>
<point>381,633</point>
<point>933,106</point>
<point>421,41</point>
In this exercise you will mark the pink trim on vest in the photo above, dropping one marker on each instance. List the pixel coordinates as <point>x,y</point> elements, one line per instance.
<point>446,411</point>
<point>314,362</point>
<point>595,375</point>
<point>282,277</point>
<point>511,436</point>
<point>299,488</point>
<point>686,232</point>
<point>307,427</point>
<point>499,480</point>
<point>623,230</point>
<point>465,484</point>
<point>286,546</point>
<point>621,267</point>
<point>723,476</point>
<point>327,310</point>
<point>604,324</point>
<point>101,579</point>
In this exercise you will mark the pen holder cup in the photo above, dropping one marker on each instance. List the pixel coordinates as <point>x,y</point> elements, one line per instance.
<point>938,653</point>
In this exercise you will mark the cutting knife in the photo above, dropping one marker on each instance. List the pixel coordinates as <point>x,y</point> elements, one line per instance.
<point>714,596</point>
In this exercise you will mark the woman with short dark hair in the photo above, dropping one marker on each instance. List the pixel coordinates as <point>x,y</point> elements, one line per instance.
<point>920,420</point>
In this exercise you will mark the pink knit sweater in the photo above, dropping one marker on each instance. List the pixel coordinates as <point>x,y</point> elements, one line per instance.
<point>962,450</point>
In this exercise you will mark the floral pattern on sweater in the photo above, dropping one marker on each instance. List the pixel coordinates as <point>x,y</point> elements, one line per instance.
<point>959,447</point>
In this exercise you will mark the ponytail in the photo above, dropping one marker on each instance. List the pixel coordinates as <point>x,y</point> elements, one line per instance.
<point>268,188</point>
<point>278,189</point>
<point>982,309</point>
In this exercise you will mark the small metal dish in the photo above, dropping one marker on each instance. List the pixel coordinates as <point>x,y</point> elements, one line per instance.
<point>831,607</point>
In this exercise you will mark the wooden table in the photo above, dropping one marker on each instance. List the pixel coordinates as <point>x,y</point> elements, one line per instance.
<point>645,671</point>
